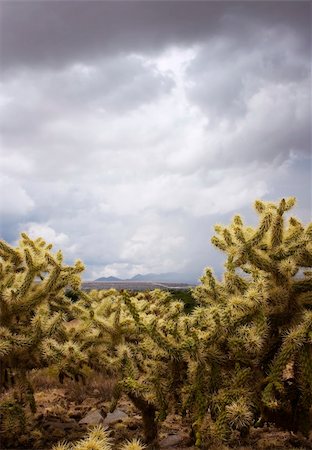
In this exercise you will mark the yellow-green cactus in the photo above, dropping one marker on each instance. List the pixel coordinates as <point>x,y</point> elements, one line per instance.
<point>134,336</point>
<point>262,313</point>
<point>98,439</point>
<point>243,355</point>
<point>33,309</point>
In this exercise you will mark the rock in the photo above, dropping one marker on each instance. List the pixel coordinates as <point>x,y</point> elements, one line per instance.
<point>171,440</point>
<point>117,416</point>
<point>92,418</point>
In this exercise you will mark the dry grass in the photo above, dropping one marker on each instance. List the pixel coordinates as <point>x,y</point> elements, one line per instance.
<point>44,379</point>
<point>96,386</point>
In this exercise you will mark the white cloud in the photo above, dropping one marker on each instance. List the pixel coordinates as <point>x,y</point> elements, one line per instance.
<point>15,201</point>
<point>15,164</point>
<point>120,270</point>
<point>35,230</point>
<point>158,243</point>
<point>126,161</point>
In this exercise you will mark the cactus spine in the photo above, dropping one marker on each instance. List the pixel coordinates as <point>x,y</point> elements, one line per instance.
<point>263,310</point>
<point>33,308</point>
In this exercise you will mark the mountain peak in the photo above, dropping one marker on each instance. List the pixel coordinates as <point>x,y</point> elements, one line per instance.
<point>169,277</point>
<point>108,279</point>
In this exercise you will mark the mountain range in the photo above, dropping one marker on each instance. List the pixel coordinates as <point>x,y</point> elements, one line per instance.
<point>169,277</point>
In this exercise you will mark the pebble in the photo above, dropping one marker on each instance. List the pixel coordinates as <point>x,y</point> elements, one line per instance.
<point>171,440</point>
<point>117,416</point>
<point>92,418</point>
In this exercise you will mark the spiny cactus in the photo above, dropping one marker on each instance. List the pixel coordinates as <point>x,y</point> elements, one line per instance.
<point>260,318</point>
<point>135,444</point>
<point>33,308</point>
<point>133,336</point>
<point>243,355</point>
<point>98,439</point>
<point>12,418</point>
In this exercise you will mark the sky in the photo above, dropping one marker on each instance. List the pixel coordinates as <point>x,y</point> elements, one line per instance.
<point>130,128</point>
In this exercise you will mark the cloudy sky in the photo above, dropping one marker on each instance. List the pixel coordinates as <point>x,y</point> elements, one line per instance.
<point>129,128</point>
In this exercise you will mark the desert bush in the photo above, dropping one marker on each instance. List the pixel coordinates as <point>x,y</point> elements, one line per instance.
<point>95,385</point>
<point>44,379</point>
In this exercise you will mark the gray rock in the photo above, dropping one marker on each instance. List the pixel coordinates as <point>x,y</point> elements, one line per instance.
<point>92,418</point>
<point>117,416</point>
<point>171,440</point>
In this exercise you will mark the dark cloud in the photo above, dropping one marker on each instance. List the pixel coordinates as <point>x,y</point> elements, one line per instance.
<point>56,32</point>
<point>117,85</point>
<point>225,73</point>
<point>130,128</point>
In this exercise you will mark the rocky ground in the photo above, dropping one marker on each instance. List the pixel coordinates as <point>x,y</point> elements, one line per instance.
<point>66,412</point>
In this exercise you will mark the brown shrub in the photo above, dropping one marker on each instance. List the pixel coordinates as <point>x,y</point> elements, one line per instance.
<point>96,386</point>
<point>44,379</point>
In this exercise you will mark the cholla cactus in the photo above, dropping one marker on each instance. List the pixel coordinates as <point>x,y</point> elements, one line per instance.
<point>259,317</point>
<point>157,358</point>
<point>243,354</point>
<point>98,439</point>
<point>135,444</point>
<point>32,312</point>
<point>135,337</point>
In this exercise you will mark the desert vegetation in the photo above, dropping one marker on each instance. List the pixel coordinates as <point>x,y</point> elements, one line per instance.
<point>232,361</point>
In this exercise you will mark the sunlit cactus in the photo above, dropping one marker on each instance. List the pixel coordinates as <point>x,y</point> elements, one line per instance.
<point>135,444</point>
<point>33,308</point>
<point>262,310</point>
<point>242,357</point>
<point>135,337</point>
<point>98,439</point>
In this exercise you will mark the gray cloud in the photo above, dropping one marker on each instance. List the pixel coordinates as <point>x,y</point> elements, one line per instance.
<point>114,85</point>
<point>130,128</point>
<point>54,32</point>
<point>225,75</point>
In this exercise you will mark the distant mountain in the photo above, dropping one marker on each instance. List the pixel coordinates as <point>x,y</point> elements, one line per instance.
<point>146,277</point>
<point>169,277</point>
<point>108,279</point>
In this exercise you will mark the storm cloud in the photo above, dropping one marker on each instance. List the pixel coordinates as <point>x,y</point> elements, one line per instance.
<point>129,128</point>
